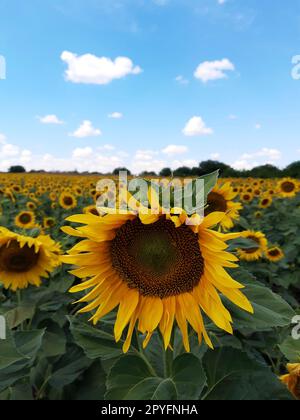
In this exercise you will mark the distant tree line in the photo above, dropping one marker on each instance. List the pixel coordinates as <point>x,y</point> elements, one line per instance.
<point>206,167</point>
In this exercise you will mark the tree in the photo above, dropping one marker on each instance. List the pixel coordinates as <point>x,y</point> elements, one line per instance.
<point>147,174</point>
<point>118,170</point>
<point>293,170</point>
<point>209,166</point>
<point>265,171</point>
<point>165,172</point>
<point>183,171</point>
<point>18,169</point>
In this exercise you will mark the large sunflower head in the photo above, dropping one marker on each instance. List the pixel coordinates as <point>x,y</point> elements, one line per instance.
<point>157,270</point>
<point>25,220</point>
<point>258,249</point>
<point>287,188</point>
<point>221,200</point>
<point>25,260</point>
<point>292,380</point>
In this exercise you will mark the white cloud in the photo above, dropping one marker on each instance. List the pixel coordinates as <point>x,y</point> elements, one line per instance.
<point>107,147</point>
<point>215,156</point>
<point>50,119</point>
<point>173,149</point>
<point>186,162</point>
<point>115,115</point>
<point>9,150</point>
<point>196,127</point>
<point>233,117</point>
<point>213,70</point>
<point>86,129</point>
<point>261,157</point>
<point>221,2</point>
<point>82,152</point>
<point>258,126</point>
<point>145,155</point>
<point>90,69</point>
<point>182,80</point>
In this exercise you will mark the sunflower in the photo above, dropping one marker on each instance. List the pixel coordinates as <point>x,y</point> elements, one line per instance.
<point>265,202</point>
<point>67,201</point>
<point>258,215</point>
<point>256,252</point>
<point>292,380</point>
<point>274,254</point>
<point>246,197</point>
<point>156,269</point>
<point>24,260</point>
<point>49,222</point>
<point>221,200</point>
<point>31,206</point>
<point>25,220</point>
<point>287,188</point>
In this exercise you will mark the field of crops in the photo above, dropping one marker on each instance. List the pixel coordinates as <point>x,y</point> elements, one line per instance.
<point>135,307</point>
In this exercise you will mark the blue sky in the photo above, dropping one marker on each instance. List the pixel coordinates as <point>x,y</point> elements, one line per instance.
<point>199,79</point>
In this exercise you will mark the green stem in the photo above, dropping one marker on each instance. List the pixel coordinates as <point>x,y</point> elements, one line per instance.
<point>19,300</point>
<point>141,353</point>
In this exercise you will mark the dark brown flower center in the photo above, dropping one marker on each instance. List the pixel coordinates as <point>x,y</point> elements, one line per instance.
<point>68,201</point>
<point>216,202</point>
<point>25,218</point>
<point>17,260</point>
<point>158,260</point>
<point>274,252</point>
<point>288,186</point>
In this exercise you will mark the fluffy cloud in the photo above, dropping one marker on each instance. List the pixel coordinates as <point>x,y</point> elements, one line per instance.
<point>186,162</point>
<point>196,127</point>
<point>261,157</point>
<point>115,115</point>
<point>84,152</point>
<point>213,70</point>
<point>173,149</point>
<point>90,69</point>
<point>50,119</point>
<point>86,129</point>
<point>215,156</point>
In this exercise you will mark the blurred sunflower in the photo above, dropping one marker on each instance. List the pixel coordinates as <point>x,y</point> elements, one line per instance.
<point>265,202</point>
<point>287,188</point>
<point>24,260</point>
<point>157,270</point>
<point>246,197</point>
<point>221,200</point>
<point>67,201</point>
<point>256,252</point>
<point>49,222</point>
<point>292,380</point>
<point>274,254</point>
<point>25,220</point>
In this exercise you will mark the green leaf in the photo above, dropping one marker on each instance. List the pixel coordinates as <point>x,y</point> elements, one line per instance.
<point>131,378</point>
<point>69,367</point>
<point>232,375</point>
<point>16,316</point>
<point>270,310</point>
<point>291,349</point>
<point>8,352</point>
<point>94,342</point>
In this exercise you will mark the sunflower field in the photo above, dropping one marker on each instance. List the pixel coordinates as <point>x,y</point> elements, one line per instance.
<point>99,306</point>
